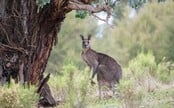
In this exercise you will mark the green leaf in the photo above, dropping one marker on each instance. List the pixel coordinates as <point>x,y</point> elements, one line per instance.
<point>81,14</point>
<point>41,3</point>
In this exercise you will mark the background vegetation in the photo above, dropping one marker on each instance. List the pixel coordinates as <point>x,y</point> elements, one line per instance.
<point>143,44</point>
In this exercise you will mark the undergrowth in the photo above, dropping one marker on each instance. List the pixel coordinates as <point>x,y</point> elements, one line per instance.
<point>16,96</point>
<point>145,84</point>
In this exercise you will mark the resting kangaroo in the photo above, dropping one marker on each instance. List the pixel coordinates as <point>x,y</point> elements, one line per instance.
<point>107,69</point>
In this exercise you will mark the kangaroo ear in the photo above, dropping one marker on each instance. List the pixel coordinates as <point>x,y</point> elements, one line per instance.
<point>89,36</point>
<point>82,37</point>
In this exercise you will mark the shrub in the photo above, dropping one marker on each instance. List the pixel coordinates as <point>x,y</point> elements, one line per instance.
<point>127,91</point>
<point>165,71</point>
<point>71,86</point>
<point>146,80</point>
<point>16,96</point>
<point>142,65</point>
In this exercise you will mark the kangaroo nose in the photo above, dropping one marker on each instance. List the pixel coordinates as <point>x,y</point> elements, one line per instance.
<point>86,44</point>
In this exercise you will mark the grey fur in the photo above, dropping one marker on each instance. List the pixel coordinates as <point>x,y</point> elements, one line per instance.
<point>107,69</point>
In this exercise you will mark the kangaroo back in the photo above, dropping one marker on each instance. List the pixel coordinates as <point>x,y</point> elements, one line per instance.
<point>109,68</point>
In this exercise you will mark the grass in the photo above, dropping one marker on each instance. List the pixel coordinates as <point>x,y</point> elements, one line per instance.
<point>16,96</point>
<point>140,87</point>
<point>145,90</point>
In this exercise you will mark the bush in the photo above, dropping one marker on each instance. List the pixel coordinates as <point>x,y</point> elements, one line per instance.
<point>145,80</point>
<point>165,71</point>
<point>142,65</point>
<point>71,86</point>
<point>16,96</point>
<point>127,91</point>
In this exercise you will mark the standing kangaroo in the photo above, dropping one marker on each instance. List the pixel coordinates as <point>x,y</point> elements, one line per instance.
<point>107,69</point>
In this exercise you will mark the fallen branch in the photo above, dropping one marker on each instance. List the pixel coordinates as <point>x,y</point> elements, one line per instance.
<point>45,93</point>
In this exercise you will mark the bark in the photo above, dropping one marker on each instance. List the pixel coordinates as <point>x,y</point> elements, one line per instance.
<point>28,36</point>
<point>26,39</point>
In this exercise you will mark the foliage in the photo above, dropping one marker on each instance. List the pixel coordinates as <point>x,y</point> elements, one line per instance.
<point>127,92</point>
<point>118,12</point>
<point>137,3</point>
<point>72,87</point>
<point>165,71</point>
<point>81,14</point>
<point>150,29</point>
<point>41,3</point>
<point>142,82</point>
<point>141,86</point>
<point>16,96</point>
<point>145,64</point>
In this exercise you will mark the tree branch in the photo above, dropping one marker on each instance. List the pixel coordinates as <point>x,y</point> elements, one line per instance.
<point>80,6</point>
<point>104,20</point>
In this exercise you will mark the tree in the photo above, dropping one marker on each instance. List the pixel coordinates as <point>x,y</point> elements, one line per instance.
<point>28,30</point>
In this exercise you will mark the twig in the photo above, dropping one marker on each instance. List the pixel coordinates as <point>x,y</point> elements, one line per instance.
<point>5,32</point>
<point>22,50</point>
<point>104,20</point>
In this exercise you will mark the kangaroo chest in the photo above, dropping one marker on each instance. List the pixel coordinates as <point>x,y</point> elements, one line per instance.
<point>85,58</point>
<point>89,57</point>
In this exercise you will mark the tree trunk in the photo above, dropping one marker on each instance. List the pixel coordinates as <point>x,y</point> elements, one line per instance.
<point>27,37</point>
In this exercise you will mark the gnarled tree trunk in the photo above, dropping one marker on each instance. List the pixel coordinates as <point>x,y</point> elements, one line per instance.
<point>27,37</point>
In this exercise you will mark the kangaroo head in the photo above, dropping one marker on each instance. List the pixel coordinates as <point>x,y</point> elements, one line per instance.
<point>85,41</point>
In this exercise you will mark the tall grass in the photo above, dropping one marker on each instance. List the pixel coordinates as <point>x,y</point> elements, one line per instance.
<point>71,86</point>
<point>142,86</point>
<point>16,96</point>
<point>147,83</point>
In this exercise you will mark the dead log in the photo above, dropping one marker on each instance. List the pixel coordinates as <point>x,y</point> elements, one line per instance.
<point>46,98</point>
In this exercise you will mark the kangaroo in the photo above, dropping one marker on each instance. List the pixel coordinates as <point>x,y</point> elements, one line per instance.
<point>107,69</point>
